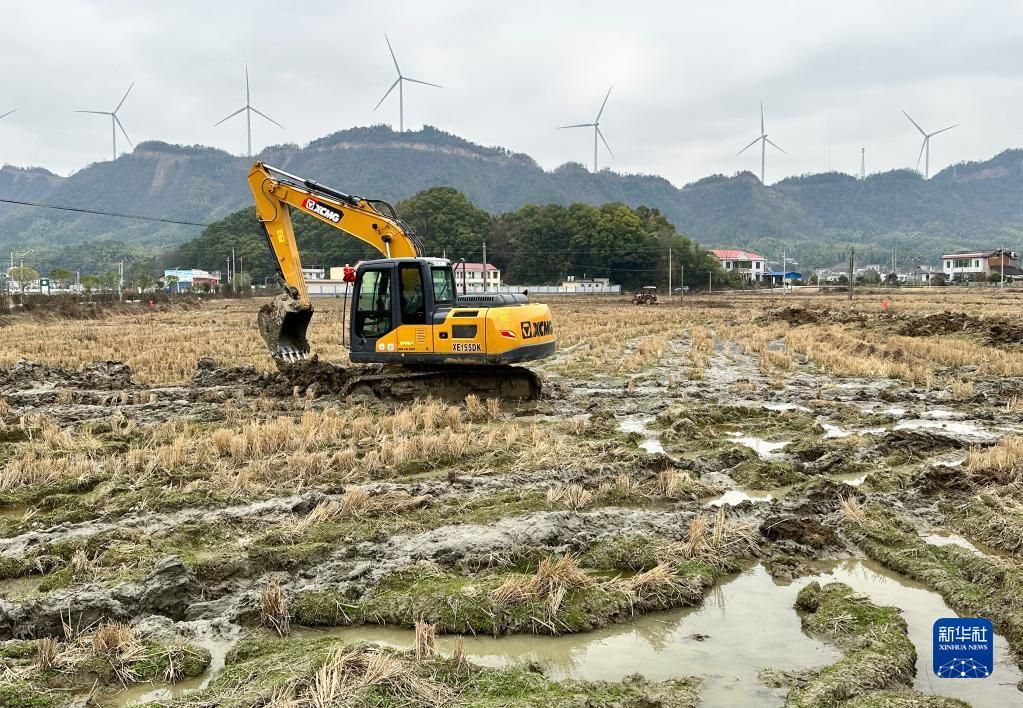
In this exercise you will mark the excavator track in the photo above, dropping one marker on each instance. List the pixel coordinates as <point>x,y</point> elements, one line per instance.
<point>400,383</point>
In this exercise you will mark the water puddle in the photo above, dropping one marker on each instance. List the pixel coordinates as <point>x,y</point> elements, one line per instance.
<point>745,625</point>
<point>853,479</point>
<point>921,607</point>
<point>734,497</point>
<point>947,538</point>
<point>143,693</point>
<point>764,448</point>
<point>834,431</point>
<point>941,415</point>
<point>786,407</point>
<point>963,428</point>
<point>651,441</point>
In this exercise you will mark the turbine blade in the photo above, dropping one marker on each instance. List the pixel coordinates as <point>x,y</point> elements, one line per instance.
<point>597,119</point>
<point>387,94</point>
<point>943,130</point>
<point>123,131</point>
<point>248,95</point>
<point>755,141</point>
<point>762,131</point>
<point>230,116</point>
<point>417,81</point>
<point>577,125</point>
<point>921,155</point>
<point>13,110</point>
<point>772,144</point>
<point>98,113</point>
<point>604,141</point>
<point>916,124</point>
<point>125,96</point>
<point>391,50</point>
<point>258,113</point>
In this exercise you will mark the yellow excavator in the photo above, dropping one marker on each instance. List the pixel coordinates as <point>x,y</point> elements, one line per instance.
<point>405,307</point>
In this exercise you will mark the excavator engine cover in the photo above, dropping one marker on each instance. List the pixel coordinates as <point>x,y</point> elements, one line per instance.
<point>283,323</point>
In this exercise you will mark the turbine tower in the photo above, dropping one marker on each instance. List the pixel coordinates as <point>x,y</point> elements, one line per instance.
<point>115,122</point>
<point>400,83</point>
<point>4,115</point>
<point>596,130</point>
<point>249,110</point>
<point>764,142</point>
<point>925,149</point>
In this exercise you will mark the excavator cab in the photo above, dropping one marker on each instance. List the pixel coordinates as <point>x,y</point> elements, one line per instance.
<point>408,310</point>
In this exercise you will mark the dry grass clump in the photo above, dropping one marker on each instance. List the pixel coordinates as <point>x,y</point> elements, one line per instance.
<point>773,360</point>
<point>273,608</point>
<point>350,673</point>
<point>553,578</point>
<point>426,640</point>
<point>1005,460</point>
<point>481,411</point>
<point>660,582</point>
<point>716,544</point>
<point>624,485</point>
<point>33,468</point>
<point>672,484</point>
<point>47,654</point>
<point>853,510</point>
<point>573,496</point>
<point>962,390</point>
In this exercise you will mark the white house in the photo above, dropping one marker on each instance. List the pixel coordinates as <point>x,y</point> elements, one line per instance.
<point>749,266</point>
<point>572,284</point>
<point>314,273</point>
<point>476,274</point>
<point>976,265</point>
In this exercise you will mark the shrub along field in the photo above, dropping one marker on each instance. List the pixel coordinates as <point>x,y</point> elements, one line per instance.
<point>181,523</point>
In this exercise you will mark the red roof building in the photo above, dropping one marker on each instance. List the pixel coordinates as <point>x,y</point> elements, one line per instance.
<point>749,266</point>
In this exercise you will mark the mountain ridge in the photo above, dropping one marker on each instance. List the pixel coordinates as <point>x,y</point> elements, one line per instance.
<point>815,217</point>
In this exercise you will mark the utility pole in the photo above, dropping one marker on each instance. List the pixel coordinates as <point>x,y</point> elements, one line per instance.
<point>852,271</point>
<point>669,273</point>
<point>682,282</point>
<point>120,281</point>
<point>784,269</point>
<point>863,163</point>
<point>710,283</point>
<point>485,273</point>
<point>234,265</point>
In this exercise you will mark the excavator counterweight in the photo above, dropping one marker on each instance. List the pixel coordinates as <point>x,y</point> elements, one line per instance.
<point>405,307</point>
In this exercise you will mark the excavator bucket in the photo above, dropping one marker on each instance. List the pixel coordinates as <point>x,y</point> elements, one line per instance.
<point>283,323</point>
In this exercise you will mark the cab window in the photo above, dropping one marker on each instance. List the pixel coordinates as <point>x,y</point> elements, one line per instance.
<point>413,305</point>
<point>373,314</point>
<point>443,285</point>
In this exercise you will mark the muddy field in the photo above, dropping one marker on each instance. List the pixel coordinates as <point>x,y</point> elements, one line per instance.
<point>733,501</point>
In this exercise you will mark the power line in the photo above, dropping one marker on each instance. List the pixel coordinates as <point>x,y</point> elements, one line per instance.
<point>102,213</point>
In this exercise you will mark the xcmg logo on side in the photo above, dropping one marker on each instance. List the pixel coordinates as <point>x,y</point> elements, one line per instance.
<point>321,210</point>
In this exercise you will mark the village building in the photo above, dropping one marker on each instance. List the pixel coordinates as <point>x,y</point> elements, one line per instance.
<point>748,266</point>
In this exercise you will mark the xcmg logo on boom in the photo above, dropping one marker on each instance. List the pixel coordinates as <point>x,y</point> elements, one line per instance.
<point>543,328</point>
<point>321,210</point>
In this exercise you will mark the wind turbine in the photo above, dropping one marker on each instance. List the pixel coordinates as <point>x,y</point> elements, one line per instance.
<point>249,110</point>
<point>925,149</point>
<point>400,83</point>
<point>115,122</point>
<point>764,142</point>
<point>596,130</point>
<point>4,115</point>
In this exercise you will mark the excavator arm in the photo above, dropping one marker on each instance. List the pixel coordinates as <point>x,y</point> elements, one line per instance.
<point>283,322</point>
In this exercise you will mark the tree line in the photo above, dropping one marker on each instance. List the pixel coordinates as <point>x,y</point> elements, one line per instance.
<point>534,245</point>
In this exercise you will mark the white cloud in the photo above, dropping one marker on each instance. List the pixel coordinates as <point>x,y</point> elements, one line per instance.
<point>688,77</point>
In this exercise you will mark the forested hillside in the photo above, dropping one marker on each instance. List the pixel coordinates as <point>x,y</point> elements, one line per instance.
<point>815,217</point>
<point>531,245</point>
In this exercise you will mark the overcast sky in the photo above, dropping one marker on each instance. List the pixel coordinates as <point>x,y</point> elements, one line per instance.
<point>688,78</point>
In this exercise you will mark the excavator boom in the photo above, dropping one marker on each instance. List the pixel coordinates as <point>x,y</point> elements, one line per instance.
<point>283,323</point>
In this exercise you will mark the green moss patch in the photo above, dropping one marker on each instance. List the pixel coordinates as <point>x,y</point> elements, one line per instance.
<point>878,652</point>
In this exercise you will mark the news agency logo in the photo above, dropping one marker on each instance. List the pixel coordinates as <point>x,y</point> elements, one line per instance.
<point>964,647</point>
